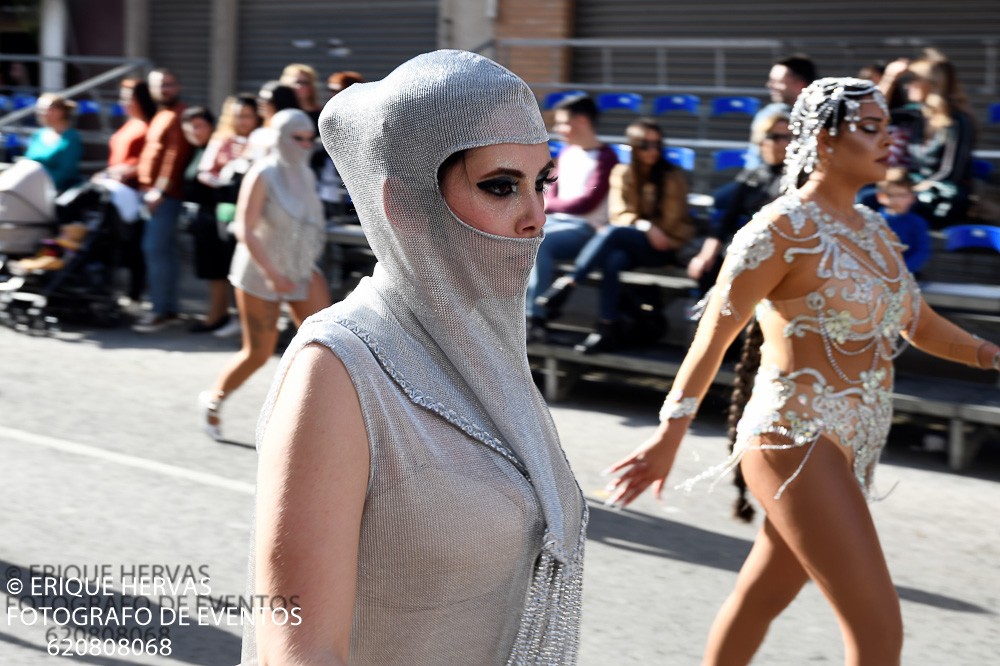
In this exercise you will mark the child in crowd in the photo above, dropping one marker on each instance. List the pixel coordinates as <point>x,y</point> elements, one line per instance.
<point>896,198</point>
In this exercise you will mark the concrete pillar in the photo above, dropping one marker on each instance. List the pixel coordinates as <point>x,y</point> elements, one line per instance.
<point>466,24</point>
<point>54,25</point>
<point>136,28</point>
<point>222,75</point>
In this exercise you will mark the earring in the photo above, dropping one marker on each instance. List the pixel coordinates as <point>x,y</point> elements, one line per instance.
<point>829,149</point>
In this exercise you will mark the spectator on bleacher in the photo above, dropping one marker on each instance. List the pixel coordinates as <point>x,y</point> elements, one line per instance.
<point>339,81</point>
<point>831,305</point>
<point>125,145</point>
<point>280,232</point>
<point>56,145</point>
<point>895,195</point>
<point>302,80</point>
<point>124,150</point>
<point>906,118</point>
<point>212,245</point>
<point>785,80</point>
<point>748,193</point>
<point>649,219</point>
<point>576,205</point>
<point>941,161</point>
<point>222,168</point>
<point>873,72</point>
<point>331,187</point>
<point>161,175</point>
<point>273,96</point>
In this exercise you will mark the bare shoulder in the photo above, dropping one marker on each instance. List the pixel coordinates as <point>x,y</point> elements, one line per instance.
<point>317,414</point>
<point>311,486</point>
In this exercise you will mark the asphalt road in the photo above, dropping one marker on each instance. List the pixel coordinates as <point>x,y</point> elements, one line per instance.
<point>103,466</point>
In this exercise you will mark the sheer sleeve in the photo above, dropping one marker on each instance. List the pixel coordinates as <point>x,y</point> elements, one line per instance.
<point>757,261</point>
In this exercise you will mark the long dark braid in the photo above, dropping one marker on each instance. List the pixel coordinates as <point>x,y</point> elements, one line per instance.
<point>746,370</point>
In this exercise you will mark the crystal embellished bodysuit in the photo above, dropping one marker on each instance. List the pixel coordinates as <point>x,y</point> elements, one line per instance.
<point>826,363</point>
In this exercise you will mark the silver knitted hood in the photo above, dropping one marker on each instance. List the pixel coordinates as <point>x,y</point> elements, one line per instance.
<point>448,300</point>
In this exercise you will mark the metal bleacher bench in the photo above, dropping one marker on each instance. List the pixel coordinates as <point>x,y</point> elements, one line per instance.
<point>959,403</point>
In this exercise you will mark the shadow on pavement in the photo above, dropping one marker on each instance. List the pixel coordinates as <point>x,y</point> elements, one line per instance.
<point>642,533</point>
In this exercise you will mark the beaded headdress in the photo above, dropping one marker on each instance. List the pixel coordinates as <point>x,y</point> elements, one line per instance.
<point>819,106</point>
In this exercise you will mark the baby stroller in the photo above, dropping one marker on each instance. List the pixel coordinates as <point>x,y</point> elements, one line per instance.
<point>70,278</point>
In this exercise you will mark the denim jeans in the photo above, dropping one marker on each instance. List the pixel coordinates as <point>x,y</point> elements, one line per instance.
<point>160,246</point>
<point>613,250</point>
<point>564,238</point>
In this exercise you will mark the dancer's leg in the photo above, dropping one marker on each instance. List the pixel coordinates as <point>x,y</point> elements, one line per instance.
<point>824,520</point>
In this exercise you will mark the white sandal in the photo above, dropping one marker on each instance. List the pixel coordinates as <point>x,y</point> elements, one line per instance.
<point>210,402</point>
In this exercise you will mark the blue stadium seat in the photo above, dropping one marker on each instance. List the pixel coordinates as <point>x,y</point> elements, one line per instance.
<point>623,151</point>
<point>728,159</point>
<point>735,104</point>
<point>85,106</point>
<point>24,101</point>
<point>555,147</point>
<point>554,98</point>
<point>993,113</point>
<point>965,236</point>
<point>6,104</point>
<point>680,156</point>
<point>671,103</point>
<point>982,169</point>
<point>116,110</point>
<point>630,101</point>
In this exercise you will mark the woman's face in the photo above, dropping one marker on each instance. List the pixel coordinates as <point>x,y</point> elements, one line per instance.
<point>303,87</point>
<point>48,115</point>
<point>648,150</point>
<point>863,154</point>
<point>197,131</point>
<point>917,90</point>
<point>772,148</point>
<point>498,189</point>
<point>265,107</point>
<point>245,120</point>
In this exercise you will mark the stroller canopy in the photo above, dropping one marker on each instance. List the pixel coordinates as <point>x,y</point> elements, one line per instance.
<point>27,194</point>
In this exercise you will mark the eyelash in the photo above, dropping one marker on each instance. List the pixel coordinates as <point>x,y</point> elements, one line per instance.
<point>503,187</point>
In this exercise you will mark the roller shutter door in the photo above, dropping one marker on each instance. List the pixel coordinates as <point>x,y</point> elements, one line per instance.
<point>369,37</point>
<point>180,40</point>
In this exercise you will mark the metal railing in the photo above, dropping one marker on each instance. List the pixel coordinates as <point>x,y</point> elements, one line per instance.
<point>121,68</point>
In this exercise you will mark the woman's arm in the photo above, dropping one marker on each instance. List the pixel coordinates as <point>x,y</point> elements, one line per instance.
<point>957,154</point>
<point>621,211</point>
<point>754,267</point>
<point>674,226</point>
<point>938,336</point>
<point>311,488</point>
<point>249,208</point>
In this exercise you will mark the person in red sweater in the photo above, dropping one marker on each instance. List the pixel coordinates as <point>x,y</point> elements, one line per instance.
<point>161,174</point>
<point>121,176</point>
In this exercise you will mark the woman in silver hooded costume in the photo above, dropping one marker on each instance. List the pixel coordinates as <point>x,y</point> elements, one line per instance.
<point>412,495</point>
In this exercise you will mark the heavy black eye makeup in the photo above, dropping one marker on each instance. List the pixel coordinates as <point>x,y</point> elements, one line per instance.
<point>500,186</point>
<point>507,181</point>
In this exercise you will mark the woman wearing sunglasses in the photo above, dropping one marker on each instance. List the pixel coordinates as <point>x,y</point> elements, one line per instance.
<point>280,232</point>
<point>648,209</point>
<point>738,201</point>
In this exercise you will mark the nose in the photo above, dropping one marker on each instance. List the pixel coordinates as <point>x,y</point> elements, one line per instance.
<point>532,217</point>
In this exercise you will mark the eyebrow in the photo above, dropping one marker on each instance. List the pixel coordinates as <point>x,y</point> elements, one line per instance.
<point>516,173</point>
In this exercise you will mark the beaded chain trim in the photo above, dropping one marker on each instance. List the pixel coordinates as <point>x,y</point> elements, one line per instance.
<point>429,402</point>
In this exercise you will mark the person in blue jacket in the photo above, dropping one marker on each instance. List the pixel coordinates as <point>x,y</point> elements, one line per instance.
<point>896,198</point>
<point>56,145</point>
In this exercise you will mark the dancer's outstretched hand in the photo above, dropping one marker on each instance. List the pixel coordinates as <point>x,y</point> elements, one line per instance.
<point>648,465</point>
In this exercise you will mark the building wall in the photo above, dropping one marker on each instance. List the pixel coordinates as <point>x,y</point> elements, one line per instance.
<point>535,19</point>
